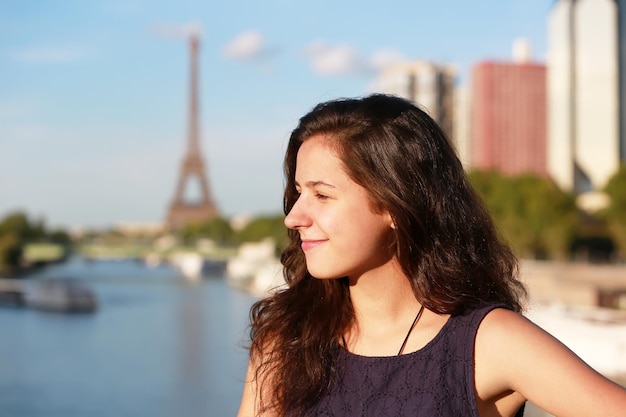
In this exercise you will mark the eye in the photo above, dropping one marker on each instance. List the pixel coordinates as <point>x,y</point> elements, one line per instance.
<point>321,197</point>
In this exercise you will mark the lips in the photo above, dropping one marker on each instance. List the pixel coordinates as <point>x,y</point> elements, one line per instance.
<point>311,243</point>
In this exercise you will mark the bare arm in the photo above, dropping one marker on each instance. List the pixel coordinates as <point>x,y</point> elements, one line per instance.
<point>248,398</point>
<point>517,360</point>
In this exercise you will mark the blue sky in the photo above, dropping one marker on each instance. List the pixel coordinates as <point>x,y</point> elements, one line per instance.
<point>93,94</point>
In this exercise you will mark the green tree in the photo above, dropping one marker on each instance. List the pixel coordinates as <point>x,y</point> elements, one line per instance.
<point>615,213</point>
<point>11,248</point>
<point>217,229</point>
<point>531,213</point>
<point>19,224</point>
<point>550,216</point>
<point>17,230</point>
<point>502,203</point>
<point>60,236</point>
<point>265,227</point>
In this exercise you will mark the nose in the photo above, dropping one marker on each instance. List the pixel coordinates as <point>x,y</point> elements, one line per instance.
<point>298,216</point>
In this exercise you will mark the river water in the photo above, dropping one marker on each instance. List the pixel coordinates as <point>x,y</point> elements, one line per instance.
<point>158,345</point>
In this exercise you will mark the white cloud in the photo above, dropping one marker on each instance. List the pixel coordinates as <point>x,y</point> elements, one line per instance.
<point>333,59</point>
<point>384,58</point>
<point>343,59</point>
<point>248,45</point>
<point>49,55</point>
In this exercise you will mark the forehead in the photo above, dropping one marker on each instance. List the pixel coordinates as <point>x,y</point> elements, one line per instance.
<point>318,156</point>
<point>319,147</point>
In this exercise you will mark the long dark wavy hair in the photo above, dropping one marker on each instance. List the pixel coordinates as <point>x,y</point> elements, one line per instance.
<point>445,243</point>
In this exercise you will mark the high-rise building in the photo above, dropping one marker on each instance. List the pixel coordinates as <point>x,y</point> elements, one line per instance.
<point>586,92</point>
<point>461,126</point>
<point>426,84</point>
<point>508,115</point>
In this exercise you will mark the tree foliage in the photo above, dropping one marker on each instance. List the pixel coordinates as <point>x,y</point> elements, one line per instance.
<point>265,227</point>
<point>615,214</point>
<point>18,223</point>
<point>217,229</point>
<point>17,230</point>
<point>532,214</point>
<point>11,249</point>
<point>220,231</point>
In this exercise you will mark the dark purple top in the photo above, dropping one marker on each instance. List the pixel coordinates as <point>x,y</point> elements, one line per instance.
<point>437,380</point>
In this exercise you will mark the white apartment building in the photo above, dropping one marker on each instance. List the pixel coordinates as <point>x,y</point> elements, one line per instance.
<point>585,145</point>
<point>426,84</point>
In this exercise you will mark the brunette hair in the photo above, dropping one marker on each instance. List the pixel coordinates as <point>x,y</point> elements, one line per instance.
<point>446,242</point>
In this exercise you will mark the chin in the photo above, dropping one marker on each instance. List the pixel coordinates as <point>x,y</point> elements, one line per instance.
<point>317,274</point>
<point>322,276</point>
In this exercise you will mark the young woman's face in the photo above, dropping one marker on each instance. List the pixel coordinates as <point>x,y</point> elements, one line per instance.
<point>341,234</point>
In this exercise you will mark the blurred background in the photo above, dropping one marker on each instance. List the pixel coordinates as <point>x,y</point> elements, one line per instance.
<point>141,149</point>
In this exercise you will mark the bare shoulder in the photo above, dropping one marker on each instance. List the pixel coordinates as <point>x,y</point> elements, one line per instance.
<point>250,405</point>
<point>506,328</point>
<point>514,355</point>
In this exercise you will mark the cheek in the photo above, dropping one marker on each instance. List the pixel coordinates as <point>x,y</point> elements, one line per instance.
<point>330,223</point>
<point>378,230</point>
<point>369,231</point>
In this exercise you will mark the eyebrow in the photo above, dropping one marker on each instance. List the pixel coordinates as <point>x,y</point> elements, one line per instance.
<point>312,184</point>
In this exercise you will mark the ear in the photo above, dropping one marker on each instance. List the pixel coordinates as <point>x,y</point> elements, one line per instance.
<point>390,221</point>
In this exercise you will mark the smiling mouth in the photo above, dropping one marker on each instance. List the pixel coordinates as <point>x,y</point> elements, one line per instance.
<point>310,244</point>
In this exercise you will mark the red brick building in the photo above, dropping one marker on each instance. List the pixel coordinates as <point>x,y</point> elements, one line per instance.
<point>508,117</point>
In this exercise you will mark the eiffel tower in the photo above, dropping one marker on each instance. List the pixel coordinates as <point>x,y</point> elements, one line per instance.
<point>181,211</point>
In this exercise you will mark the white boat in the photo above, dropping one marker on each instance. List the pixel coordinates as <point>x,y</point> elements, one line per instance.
<point>256,268</point>
<point>60,296</point>
<point>194,266</point>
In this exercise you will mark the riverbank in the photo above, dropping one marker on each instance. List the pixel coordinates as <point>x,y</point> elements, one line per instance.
<point>584,306</point>
<point>34,257</point>
<point>576,284</point>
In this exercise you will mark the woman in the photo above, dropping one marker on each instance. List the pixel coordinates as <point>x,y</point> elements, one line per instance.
<point>401,299</point>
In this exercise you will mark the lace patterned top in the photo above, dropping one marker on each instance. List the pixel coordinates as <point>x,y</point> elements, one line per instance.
<point>435,381</point>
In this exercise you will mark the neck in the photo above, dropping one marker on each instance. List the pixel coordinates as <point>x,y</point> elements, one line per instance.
<point>385,307</point>
<point>384,293</point>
